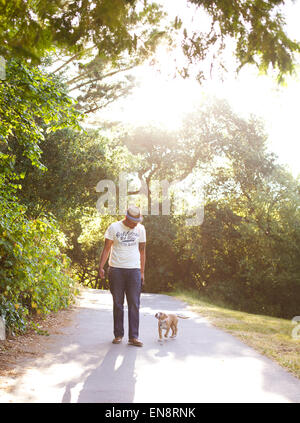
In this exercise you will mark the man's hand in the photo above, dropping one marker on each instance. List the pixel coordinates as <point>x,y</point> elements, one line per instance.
<point>104,256</point>
<point>142,278</point>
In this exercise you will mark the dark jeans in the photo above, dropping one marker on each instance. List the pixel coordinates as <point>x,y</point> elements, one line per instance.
<point>121,282</point>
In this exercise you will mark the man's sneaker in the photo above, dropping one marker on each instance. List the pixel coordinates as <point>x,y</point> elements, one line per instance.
<point>135,342</point>
<point>117,340</point>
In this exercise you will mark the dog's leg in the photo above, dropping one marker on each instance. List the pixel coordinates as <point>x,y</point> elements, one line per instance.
<point>159,332</point>
<point>167,332</point>
<point>174,330</point>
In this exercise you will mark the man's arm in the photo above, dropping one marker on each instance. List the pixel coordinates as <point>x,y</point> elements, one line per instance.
<point>142,248</point>
<point>104,256</point>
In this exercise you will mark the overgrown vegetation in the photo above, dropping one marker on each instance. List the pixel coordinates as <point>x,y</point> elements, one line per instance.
<point>32,273</point>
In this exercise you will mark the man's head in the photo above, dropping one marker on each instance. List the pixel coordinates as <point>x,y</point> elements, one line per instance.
<point>133,217</point>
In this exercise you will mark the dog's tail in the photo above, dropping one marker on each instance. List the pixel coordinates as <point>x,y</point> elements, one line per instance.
<point>182,317</point>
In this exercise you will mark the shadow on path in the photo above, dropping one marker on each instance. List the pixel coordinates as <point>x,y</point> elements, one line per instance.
<point>203,364</point>
<point>114,379</point>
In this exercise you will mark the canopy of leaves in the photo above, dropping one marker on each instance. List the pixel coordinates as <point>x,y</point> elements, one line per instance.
<point>30,28</point>
<point>30,103</point>
<point>258,28</point>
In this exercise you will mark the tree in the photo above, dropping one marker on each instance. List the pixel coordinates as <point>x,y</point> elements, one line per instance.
<point>75,163</point>
<point>33,270</point>
<point>245,252</point>
<point>30,29</point>
<point>96,77</point>
<point>258,28</point>
<point>157,147</point>
<point>210,133</point>
<point>97,84</point>
<point>31,103</point>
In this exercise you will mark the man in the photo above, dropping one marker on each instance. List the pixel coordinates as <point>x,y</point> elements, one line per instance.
<point>125,244</point>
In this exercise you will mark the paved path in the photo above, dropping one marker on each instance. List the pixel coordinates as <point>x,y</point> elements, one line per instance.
<point>203,364</point>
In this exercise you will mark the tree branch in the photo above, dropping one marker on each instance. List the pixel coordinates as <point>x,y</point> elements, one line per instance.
<point>92,110</point>
<point>72,58</point>
<point>77,87</point>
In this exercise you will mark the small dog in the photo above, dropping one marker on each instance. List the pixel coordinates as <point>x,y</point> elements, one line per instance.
<point>167,322</point>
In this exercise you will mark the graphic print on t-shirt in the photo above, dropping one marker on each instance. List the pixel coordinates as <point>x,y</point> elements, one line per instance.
<point>125,249</point>
<point>127,238</point>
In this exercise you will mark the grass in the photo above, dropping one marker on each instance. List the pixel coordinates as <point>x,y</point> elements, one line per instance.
<point>270,336</point>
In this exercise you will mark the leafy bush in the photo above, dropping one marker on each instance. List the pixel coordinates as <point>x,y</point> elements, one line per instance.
<point>33,276</point>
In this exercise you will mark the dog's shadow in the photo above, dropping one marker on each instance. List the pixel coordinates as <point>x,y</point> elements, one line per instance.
<point>164,352</point>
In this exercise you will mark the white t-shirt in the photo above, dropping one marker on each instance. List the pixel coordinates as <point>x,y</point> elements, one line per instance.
<point>125,249</point>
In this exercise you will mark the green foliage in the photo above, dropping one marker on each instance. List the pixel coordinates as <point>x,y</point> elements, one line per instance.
<point>162,261</point>
<point>159,149</point>
<point>257,28</point>
<point>33,276</point>
<point>99,83</point>
<point>29,29</point>
<point>32,272</point>
<point>247,263</point>
<point>76,162</point>
<point>30,103</point>
<point>115,28</point>
<point>14,315</point>
<point>245,252</point>
<point>85,245</point>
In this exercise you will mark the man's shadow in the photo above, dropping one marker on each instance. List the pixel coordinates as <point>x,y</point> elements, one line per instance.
<point>113,380</point>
